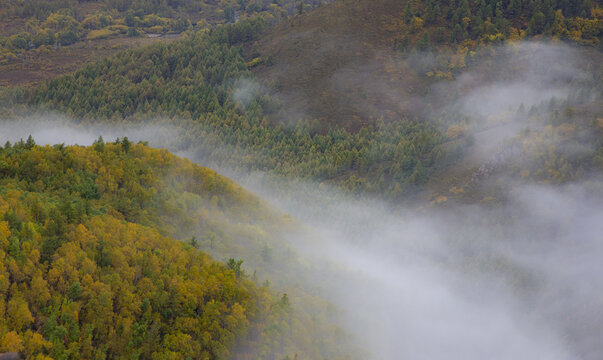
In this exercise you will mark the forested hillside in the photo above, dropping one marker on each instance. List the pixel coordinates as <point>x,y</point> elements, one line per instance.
<point>205,78</point>
<point>384,131</point>
<point>89,267</point>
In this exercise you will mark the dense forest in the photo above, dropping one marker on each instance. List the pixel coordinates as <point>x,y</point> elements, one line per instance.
<point>87,270</point>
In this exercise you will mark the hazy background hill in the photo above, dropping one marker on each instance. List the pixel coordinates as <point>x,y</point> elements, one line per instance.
<point>352,62</point>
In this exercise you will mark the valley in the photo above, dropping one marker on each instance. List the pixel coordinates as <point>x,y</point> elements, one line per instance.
<point>282,180</point>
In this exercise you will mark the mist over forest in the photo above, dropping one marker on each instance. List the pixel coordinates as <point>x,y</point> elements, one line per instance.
<point>516,279</point>
<point>324,192</point>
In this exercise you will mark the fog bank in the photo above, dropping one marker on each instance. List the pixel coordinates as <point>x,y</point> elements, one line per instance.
<point>515,282</point>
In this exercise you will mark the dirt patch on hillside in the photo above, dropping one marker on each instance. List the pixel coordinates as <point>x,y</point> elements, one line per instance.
<point>39,65</point>
<point>336,64</point>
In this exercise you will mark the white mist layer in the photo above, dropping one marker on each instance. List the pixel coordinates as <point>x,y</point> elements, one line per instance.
<point>520,281</point>
<point>532,73</point>
<point>60,130</point>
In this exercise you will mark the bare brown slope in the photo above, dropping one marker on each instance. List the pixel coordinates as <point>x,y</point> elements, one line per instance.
<point>37,66</point>
<point>335,64</point>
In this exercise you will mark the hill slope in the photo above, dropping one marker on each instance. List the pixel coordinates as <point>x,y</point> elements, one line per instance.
<point>202,82</point>
<point>332,96</point>
<point>89,267</point>
<point>350,62</point>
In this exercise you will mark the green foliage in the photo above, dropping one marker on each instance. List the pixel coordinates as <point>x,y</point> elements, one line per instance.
<point>235,266</point>
<point>75,291</point>
<point>423,42</point>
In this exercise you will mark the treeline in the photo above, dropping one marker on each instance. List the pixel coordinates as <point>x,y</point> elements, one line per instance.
<point>472,22</point>
<point>201,78</point>
<point>220,10</point>
<point>34,24</point>
<point>87,272</point>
